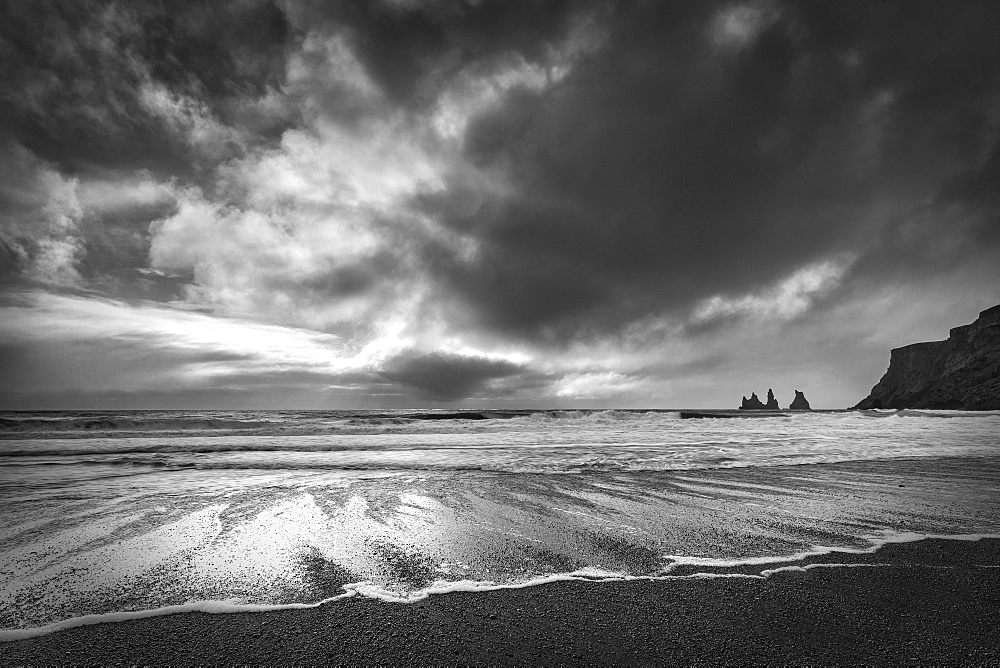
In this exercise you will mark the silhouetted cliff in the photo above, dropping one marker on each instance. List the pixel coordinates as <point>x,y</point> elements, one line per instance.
<point>772,403</point>
<point>800,403</point>
<point>962,372</point>
<point>753,403</point>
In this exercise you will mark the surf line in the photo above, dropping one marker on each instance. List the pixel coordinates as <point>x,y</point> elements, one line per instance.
<point>369,590</point>
<point>819,550</point>
<point>213,607</point>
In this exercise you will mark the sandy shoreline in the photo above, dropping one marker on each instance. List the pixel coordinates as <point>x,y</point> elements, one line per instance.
<point>933,601</point>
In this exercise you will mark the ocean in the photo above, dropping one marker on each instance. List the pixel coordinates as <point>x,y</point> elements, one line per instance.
<point>111,515</point>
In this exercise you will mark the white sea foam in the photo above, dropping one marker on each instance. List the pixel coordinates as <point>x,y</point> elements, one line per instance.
<point>821,550</point>
<point>442,587</point>
<point>805,569</point>
<point>212,607</point>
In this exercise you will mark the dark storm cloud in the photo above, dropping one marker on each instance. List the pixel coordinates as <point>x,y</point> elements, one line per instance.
<point>74,75</point>
<point>446,376</point>
<point>39,216</point>
<point>411,47</point>
<point>959,225</point>
<point>105,102</point>
<point>57,230</point>
<point>670,166</point>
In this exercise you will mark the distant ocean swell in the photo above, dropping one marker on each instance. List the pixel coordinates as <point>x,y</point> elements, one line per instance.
<point>15,425</point>
<point>291,424</point>
<point>563,441</point>
<point>292,445</point>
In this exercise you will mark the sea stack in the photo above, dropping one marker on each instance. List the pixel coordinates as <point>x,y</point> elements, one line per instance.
<point>772,403</point>
<point>799,403</point>
<point>962,372</point>
<point>753,403</point>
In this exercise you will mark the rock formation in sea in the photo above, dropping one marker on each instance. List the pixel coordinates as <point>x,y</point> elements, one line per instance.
<point>772,403</point>
<point>962,372</point>
<point>799,403</point>
<point>753,403</point>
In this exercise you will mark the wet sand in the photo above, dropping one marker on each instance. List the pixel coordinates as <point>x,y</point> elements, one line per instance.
<point>933,601</point>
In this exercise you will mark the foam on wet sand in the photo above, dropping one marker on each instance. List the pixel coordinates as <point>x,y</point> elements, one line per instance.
<point>930,601</point>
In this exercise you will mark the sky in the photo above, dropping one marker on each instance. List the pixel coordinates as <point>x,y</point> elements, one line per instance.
<point>405,203</point>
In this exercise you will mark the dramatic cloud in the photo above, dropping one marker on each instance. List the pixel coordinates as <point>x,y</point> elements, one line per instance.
<point>447,376</point>
<point>39,215</point>
<point>400,203</point>
<point>791,297</point>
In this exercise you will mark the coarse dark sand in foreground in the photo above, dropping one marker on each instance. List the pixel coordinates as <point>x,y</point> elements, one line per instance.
<point>937,601</point>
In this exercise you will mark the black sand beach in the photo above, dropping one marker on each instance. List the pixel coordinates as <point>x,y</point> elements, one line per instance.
<point>933,601</point>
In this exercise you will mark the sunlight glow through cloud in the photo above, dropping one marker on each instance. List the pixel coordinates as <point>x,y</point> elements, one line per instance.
<point>737,25</point>
<point>66,320</point>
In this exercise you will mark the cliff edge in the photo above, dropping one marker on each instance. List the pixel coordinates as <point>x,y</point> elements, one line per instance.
<point>962,372</point>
